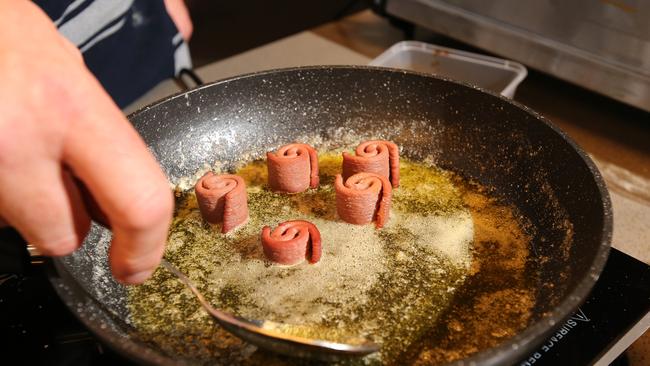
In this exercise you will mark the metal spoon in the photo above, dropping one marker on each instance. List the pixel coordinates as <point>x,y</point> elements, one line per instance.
<point>266,334</point>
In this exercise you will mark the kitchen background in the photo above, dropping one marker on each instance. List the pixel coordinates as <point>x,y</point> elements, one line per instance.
<point>615,134</point>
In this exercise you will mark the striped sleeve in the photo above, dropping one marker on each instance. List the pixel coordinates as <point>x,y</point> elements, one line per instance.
<point>130,45</point>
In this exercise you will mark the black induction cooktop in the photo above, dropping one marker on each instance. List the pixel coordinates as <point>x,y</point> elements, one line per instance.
<point>37,329</point>
<point>615,314</point>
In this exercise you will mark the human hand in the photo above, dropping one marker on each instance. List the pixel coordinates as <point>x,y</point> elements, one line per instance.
<point>177,10</point>
<point>57,126</point>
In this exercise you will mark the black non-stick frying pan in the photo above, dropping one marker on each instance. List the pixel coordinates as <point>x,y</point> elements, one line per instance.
<point>525,160</point>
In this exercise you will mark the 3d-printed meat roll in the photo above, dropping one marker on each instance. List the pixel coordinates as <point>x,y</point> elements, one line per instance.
<point>293,168</point>
<point>363,198</point>
<point>222,198</point>
<point>291,242</point>
<point>376,156</point>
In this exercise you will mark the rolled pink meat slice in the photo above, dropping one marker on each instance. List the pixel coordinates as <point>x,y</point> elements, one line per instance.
<point>222,199</point>
<point>363,198</point>
<point>293,168</point>
<point>291,242</point>
<point>375,156</point>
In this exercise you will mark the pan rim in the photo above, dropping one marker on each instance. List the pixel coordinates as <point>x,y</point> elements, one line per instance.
<point>513,348</point>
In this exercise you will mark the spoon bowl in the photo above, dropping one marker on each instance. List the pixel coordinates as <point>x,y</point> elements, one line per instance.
<point>269,335</point>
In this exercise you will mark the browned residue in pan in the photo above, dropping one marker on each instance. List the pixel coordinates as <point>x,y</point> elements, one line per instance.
<point>497,299</point>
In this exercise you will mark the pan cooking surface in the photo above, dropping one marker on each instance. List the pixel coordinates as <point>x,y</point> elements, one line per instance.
<point>389,285</point>
<point>541,180</point>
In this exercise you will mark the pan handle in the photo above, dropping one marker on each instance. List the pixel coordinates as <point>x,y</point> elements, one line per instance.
<point>16,257</point>
<point>185,74</point>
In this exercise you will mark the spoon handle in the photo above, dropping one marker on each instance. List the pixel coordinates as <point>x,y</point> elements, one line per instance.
<point>199,296</point>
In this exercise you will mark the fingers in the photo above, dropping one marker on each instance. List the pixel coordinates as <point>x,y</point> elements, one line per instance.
<point>80,215</point>
<point>72,50</point>
<point>44,206</point>
<point>56,114</point>
<point>180,15</point>
<point>111,159</point>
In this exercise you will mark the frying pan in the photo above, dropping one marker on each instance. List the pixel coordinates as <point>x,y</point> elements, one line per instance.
<point>519,155</point>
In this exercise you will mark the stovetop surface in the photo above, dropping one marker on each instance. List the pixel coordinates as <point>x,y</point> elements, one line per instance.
<point>618,301</point>
<point>39,330</point>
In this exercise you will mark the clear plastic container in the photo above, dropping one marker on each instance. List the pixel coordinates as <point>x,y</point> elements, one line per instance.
<point>492,73</point>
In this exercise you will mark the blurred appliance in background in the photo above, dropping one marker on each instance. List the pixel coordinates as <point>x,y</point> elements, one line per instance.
<point>601,45</point>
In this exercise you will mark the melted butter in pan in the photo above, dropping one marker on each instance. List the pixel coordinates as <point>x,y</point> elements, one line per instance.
<point>389,285</point>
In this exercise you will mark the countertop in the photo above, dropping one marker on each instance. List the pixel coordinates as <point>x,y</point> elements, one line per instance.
<point>615,135</point>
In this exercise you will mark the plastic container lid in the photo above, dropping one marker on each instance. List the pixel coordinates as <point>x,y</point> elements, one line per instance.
<point>492,73</point>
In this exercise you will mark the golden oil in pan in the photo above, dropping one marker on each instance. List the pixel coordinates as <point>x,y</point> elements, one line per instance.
<point>389,285</point>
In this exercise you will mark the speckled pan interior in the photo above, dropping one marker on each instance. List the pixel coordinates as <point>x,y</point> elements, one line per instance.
<point>503,145</point>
